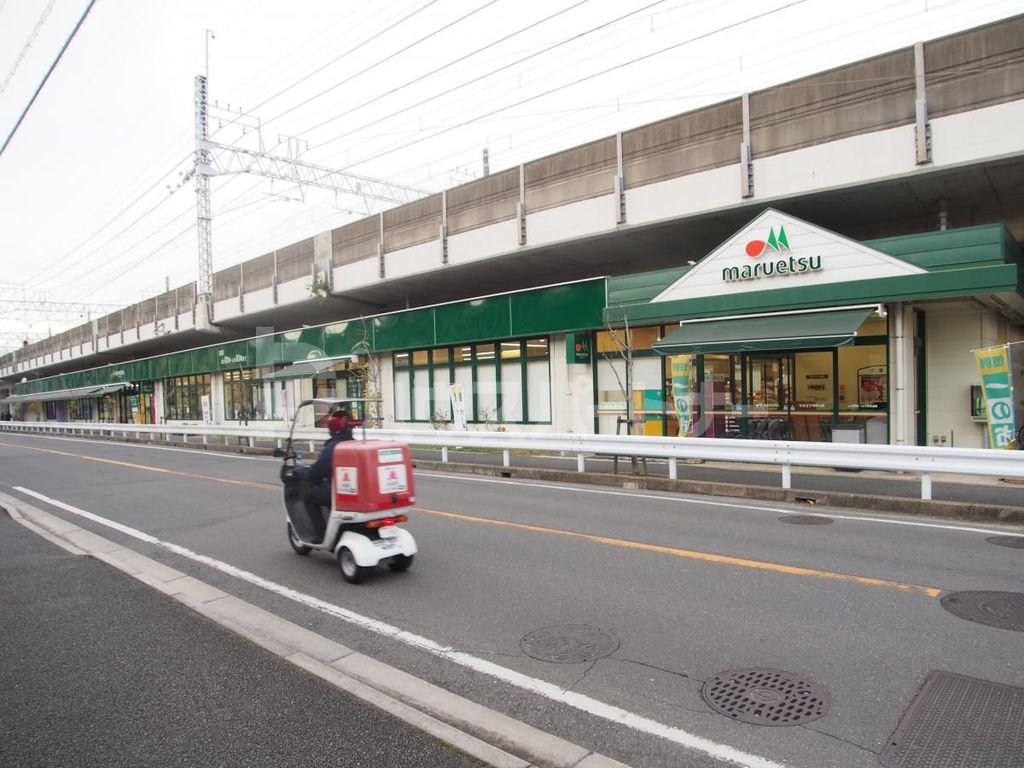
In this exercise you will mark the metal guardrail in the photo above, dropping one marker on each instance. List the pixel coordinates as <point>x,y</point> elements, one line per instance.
<point>924,461</point>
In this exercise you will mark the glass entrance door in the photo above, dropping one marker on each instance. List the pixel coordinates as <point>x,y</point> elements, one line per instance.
<point>768,396</point>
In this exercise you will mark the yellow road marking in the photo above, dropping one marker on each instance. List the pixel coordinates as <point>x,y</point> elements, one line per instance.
<point>147,467</point>
<point>792,570</point>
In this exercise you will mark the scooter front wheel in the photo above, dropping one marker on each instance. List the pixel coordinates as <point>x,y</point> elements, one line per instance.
<point>351,571</point>
<point>297,545</point>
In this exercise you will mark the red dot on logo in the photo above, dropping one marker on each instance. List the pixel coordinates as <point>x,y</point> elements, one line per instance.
<point>755,248</point>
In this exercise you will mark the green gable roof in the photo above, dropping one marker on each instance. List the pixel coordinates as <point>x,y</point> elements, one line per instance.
<point>960,262</point>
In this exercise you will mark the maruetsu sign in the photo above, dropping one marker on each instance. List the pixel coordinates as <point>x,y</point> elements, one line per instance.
<point>786,265</point>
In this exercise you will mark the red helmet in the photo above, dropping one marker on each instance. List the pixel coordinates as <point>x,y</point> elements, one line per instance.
<point>337,423</point>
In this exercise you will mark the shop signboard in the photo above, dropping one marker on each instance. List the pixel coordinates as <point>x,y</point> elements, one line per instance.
<point>994,369</point>
<point>778,251</point>
<point>682,397</point>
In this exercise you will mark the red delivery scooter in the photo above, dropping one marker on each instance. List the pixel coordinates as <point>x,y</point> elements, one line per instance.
<point>371,482</point>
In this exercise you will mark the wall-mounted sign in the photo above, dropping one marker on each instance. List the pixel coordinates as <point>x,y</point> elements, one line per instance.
<point>767,267</point>
<point>577,348</point>
<point>776,250</point>
<point>226,361</point>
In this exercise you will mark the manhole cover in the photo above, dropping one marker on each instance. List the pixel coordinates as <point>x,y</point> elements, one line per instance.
<point>569,644</point>
<point>766,697</point>
<point>805,520</point>
<point>1016,542</point>
<point>1004,610</point>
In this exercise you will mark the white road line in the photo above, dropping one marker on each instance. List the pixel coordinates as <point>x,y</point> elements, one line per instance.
<point>703,502</point>
<point>197,450</point>
<point>533,685</point>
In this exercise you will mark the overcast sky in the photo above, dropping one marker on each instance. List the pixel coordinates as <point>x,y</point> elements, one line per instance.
<point>93,207</point>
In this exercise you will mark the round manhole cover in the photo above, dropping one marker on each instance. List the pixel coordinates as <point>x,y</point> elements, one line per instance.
<point>805,520</point>
<point>1003,610</point>
<point>1016,542</point>
<point>569,644</point>
<point>766,697</point>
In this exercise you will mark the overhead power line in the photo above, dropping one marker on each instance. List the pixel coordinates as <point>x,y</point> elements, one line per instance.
<point>46,77</point>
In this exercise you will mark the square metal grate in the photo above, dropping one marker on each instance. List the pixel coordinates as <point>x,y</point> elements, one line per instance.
<point>957,721</point>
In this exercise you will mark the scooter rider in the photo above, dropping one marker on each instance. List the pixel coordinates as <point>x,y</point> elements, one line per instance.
<point>318,475</point>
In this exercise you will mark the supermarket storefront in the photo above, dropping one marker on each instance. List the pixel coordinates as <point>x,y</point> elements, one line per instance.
<point>788,331</point>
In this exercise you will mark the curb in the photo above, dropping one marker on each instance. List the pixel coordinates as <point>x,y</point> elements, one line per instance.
<point>490,736</point>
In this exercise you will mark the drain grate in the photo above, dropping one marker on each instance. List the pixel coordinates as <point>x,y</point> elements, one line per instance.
<point>1015,542</point>
<point>805,520</point>
<point>1003,610</point>
<point>957,721</point>
<point>569,644</point>
<point>766,697</point>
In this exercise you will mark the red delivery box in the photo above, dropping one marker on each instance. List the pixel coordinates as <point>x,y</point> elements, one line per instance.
<point>372,475</point>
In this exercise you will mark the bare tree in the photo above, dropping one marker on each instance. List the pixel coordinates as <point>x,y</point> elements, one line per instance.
<point>623,340</point>
<point>371,374</point>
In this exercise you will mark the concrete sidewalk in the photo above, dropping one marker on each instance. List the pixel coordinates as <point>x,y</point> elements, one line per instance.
<point>100,670</point>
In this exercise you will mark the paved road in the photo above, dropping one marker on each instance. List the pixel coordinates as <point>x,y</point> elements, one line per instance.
<point>100,670</point>
<point>966,489</point>
<point>681,588</point>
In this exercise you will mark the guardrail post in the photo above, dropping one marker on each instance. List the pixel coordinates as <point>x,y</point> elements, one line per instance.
<point>252,442</point>
<point>506,457</point>
<point>787,476</point>
<point>444,454</point>
<point>206,439</point>
<point>673,472</point>
<point>926,487</point>
<point>581,465</point>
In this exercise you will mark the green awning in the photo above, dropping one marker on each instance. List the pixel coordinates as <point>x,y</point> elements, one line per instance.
<point>306,368</point>
<point>782,331</point>
<point>65,394</point>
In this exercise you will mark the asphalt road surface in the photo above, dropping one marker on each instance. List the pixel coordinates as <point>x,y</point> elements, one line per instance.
<point>100,670</point>
<point>594,614</point>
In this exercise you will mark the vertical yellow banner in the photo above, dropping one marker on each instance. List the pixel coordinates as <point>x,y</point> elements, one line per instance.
<point>994,369</point>
<point>682,395</point>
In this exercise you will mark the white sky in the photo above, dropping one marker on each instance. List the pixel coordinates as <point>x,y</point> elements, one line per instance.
<point>85,210</point>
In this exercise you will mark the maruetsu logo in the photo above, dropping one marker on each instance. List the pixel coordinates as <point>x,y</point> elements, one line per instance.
<point>778,244</point>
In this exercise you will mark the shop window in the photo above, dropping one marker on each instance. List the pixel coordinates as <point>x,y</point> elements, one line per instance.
<point>246,396</point>
<point>873,326</point>
<point>403,402</point>
<point>517,370</point>
<point>536,347</point>
<point>640,339</point>
<point>183,397</point>
<point>402,359</point>
<point>509,350</point>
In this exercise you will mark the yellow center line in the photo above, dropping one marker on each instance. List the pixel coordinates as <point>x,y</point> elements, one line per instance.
<point>147,467</point>
<point>792,570</point>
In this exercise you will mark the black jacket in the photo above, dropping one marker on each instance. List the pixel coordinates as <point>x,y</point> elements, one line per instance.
<point>320,471</point>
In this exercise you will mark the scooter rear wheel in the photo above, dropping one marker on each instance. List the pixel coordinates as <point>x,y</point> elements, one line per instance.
<point>298,546</point>
<point>351,571</point>
<point>400,563</point>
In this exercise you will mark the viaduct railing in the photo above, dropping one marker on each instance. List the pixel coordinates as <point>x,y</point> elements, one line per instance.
<point>922,461</point>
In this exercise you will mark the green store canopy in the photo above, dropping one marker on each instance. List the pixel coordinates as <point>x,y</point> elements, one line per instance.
<point>782,331</point>
<point>306,368</point>
<point>65,394</point>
